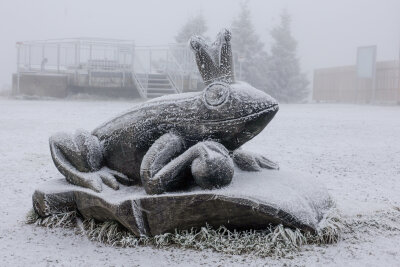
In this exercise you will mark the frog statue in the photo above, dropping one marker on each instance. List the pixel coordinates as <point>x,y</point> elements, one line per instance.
<point>172,142</point>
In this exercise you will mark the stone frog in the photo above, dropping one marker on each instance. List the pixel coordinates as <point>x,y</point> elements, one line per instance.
<point>171,142</point>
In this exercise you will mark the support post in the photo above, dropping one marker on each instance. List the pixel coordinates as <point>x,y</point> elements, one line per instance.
<point>18,70</point>
<point>374,79</point>
<point>398,79</point>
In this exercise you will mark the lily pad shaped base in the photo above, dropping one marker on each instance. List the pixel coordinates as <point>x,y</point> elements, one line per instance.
<point>254,200</point>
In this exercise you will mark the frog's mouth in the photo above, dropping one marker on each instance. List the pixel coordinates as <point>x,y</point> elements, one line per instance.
<point>272,109</point>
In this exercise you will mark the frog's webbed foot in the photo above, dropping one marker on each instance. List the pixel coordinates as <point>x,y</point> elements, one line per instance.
<point>165,164</point>
<point>79,158</point>
<point>249,161</point>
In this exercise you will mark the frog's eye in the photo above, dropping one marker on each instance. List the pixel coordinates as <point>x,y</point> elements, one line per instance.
<point>216,93</point>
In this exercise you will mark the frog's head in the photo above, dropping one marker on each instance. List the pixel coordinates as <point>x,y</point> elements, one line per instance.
<point>235,113</point>
<point>230,112</point>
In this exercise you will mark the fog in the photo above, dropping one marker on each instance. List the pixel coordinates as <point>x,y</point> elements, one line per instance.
<point>154,155</point>
<point>328,32</point>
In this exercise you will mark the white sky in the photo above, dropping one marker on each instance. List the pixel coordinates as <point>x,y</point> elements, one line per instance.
<point>328,31</point>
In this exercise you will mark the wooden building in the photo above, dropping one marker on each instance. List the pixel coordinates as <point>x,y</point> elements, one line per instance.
<point>341,84</point>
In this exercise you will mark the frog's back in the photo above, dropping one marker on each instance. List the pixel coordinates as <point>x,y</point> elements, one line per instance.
<point>127,137</point>
<point>118,138</point>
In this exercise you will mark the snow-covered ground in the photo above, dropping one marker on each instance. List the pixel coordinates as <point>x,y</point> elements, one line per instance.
<point>354,150</point>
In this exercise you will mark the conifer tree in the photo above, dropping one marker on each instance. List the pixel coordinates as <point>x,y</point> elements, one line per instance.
<point>284,79</point>
<point>249,55</point>
<point>194,26</point>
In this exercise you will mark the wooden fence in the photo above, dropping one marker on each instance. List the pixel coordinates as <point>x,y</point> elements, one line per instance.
<point>341,84</point>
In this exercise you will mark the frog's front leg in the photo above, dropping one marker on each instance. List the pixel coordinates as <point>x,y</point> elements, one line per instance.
<point>79,158</point>
<point>250,161</point>
<point>164,165</point>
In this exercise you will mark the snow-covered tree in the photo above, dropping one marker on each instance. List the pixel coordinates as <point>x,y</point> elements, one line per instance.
<point>284,79</point>
<point>249,56</point>
<point>195,25</point>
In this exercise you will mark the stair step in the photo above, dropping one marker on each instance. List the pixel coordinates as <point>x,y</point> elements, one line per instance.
<point>156,85</point>
<point>159,82</point>
<point>153,95</point>
<point>161,91</point>
<point>158,76</point>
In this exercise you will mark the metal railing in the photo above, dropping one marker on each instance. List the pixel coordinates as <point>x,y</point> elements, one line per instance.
<point>66,55</point>
<point>83,60</point>
<point>175,61</point>
<point>175,72</point>
<point>108,63</point>
<point>141,80</point>
<point>185,58</point>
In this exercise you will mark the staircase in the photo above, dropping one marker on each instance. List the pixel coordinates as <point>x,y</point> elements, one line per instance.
<point>169,78</point>
<point>151,85</point>
<point>159,85</point>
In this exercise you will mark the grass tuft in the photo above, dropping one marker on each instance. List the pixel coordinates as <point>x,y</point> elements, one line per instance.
<point>276,241</point>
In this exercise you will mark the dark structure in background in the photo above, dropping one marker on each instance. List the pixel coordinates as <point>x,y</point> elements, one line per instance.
<point>366,82</point>
<point>118,68</point>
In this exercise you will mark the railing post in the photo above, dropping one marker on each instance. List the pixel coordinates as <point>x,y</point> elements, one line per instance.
<point>133,57</point>
<point>182,83</point>
<point>77,48</point>
<point>90,65</point>
<point>123,71</point>
<point>43,63</point>
<point>79,52</point>
<point>167,62</point>
<point>30,57</point>
<point>149,60</point>
<point>58,58</point>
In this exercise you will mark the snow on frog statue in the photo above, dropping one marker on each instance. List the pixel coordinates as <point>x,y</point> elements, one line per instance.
<point>170,142</point>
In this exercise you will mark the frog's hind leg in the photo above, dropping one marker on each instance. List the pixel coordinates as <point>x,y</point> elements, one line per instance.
<point>79,158</point>
<point>155,175</point>
<point>165,164</point>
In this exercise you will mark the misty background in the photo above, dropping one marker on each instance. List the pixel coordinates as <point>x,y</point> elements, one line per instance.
<point>346,137</point>
<point>328,32</point>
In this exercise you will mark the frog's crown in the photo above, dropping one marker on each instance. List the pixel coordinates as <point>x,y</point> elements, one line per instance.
<point>214,60</point>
